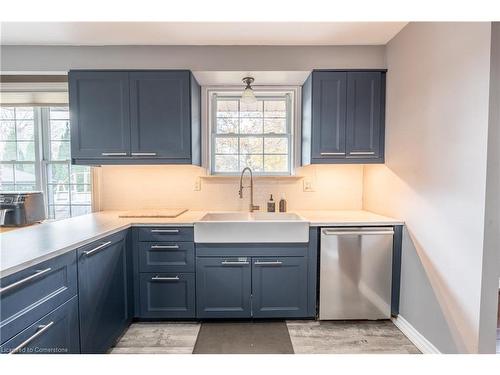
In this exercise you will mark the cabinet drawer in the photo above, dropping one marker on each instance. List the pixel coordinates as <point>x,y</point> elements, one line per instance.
<point>56,333</point>
<point>166,257</point>
<point>28,295</point>
<point>166,234</point>
<point>167,295</point>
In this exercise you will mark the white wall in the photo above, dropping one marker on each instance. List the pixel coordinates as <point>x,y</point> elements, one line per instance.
<point>435,174</point>
<point>280,58</point>
<point>136,187</point>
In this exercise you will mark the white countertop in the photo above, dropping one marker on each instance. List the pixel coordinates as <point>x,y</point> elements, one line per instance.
<point>24,247</point>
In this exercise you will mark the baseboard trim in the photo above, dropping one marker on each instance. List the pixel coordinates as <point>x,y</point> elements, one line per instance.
<point>424,345</point>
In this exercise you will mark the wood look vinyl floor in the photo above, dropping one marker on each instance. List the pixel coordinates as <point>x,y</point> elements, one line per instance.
<point>307,337</point>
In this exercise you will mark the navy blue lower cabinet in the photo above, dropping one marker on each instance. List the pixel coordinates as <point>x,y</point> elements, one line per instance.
<point>279,287</point>
<point>223,287</point>
<point>28,295</point>
<point>167,295</point>
<point>56,333</point>
<point>166,256</point>
<point>103,293</point>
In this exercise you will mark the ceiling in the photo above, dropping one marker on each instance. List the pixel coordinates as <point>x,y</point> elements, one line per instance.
<point>198,33</point>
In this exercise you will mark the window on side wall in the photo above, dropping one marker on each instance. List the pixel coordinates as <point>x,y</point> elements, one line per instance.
<point>35,155</point>
<point>258,135</point>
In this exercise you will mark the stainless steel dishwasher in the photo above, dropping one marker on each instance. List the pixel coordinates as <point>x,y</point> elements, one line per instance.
<point>355,273</point>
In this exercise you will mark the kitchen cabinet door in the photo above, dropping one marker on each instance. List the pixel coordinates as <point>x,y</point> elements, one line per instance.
<point>364,139</point>
<point>167,295</point>
<point>279,287</point>
<point>55,333</point>
<point>328,115</point>
<point>223,287</point>
<point>161,115</point>
<point>99,109</point>
<point>103,289</point>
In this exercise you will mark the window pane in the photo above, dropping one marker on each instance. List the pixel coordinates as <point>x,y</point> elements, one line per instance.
<point>81,194</point>
<point>276,146</point>
<point>7,131</point>
<point>251,109</point>
<point>8,151</point>
<point>59,150</point>
<point>80,174</point>
<point>58,173</point>
<point>59,130</point>
<point>58,113</point>
<point>255,162</point>
<point>227,108</point>
<point>251,145</point>
<point>7,187</point>
<point>25,187</point>
<point>24,113</point>
<point>25,130</point>
<point>80,210</point>
<point>25,173</point>
<point>7,113</point>
<point>276,163</point>
<point>58,194</point>
<point>59,212</point>
<point>226,163</point>
<point>275,125</point>
<point>6,173</point>
<point>251,126</point>
<point>226,145</point>
<point>226,125</point>
<point>26,151</point>
<point>275,108</point>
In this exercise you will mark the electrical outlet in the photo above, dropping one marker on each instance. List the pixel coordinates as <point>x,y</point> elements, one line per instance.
<point>197,184</point>
<point>308,185</point>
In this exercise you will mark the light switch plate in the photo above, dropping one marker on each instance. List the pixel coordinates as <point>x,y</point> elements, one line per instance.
<point>307,185</point>
<point>197,184</point>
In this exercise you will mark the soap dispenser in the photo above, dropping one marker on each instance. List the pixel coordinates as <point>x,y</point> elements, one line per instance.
<point>282,204</point>
<point>271,205</point>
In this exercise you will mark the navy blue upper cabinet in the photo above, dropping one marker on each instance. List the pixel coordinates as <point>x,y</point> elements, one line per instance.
<point>103,291</point>
<point>155,117</point>
<point>99,109</point>
<point>343,117</point>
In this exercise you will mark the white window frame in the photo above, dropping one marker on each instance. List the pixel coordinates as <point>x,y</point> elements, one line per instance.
<point>41,120</point>
<point>293,124</point>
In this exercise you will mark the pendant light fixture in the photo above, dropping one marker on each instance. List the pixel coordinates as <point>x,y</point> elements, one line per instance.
<point>248,95</point>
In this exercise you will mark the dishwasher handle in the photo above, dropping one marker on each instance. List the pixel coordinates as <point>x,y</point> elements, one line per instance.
<point>357,231</point>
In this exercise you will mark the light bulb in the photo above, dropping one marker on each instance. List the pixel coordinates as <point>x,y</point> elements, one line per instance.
<point>248,96</point>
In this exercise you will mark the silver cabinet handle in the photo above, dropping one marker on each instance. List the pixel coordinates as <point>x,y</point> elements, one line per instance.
<point>331,153</point>
<point>362,153</point>
<point>333,232</point>
<point>230,263</point>
<point>143,153</point>
<point>161,278</point>
<point>113,153</point>
<point>25,280</point>
<point>153,247</point>
<point>101,246</point>
<point>276,263</point>
<point>41,330</point>
<point>168,231</point>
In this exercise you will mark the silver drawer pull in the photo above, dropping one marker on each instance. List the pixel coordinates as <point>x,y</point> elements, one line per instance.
<point>167,231</point>
<point>362,153</point>
<point>333,232</point>
<point>25,280</point>
<point>153,247</point>
<point>332,153</point>
<point>143,153</point>
<point>113,153</point>
<point>41,331</point>
<point>276,263</point>
<point>229,263</point>
<point>101,246</point>
<point>161,278</point>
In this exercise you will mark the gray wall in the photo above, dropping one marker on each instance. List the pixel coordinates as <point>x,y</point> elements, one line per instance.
<point>491,257</point>
<point>281,58</point>
<point>435,175</point>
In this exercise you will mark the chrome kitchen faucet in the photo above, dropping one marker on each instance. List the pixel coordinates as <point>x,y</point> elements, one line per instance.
<point>252,206</point>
